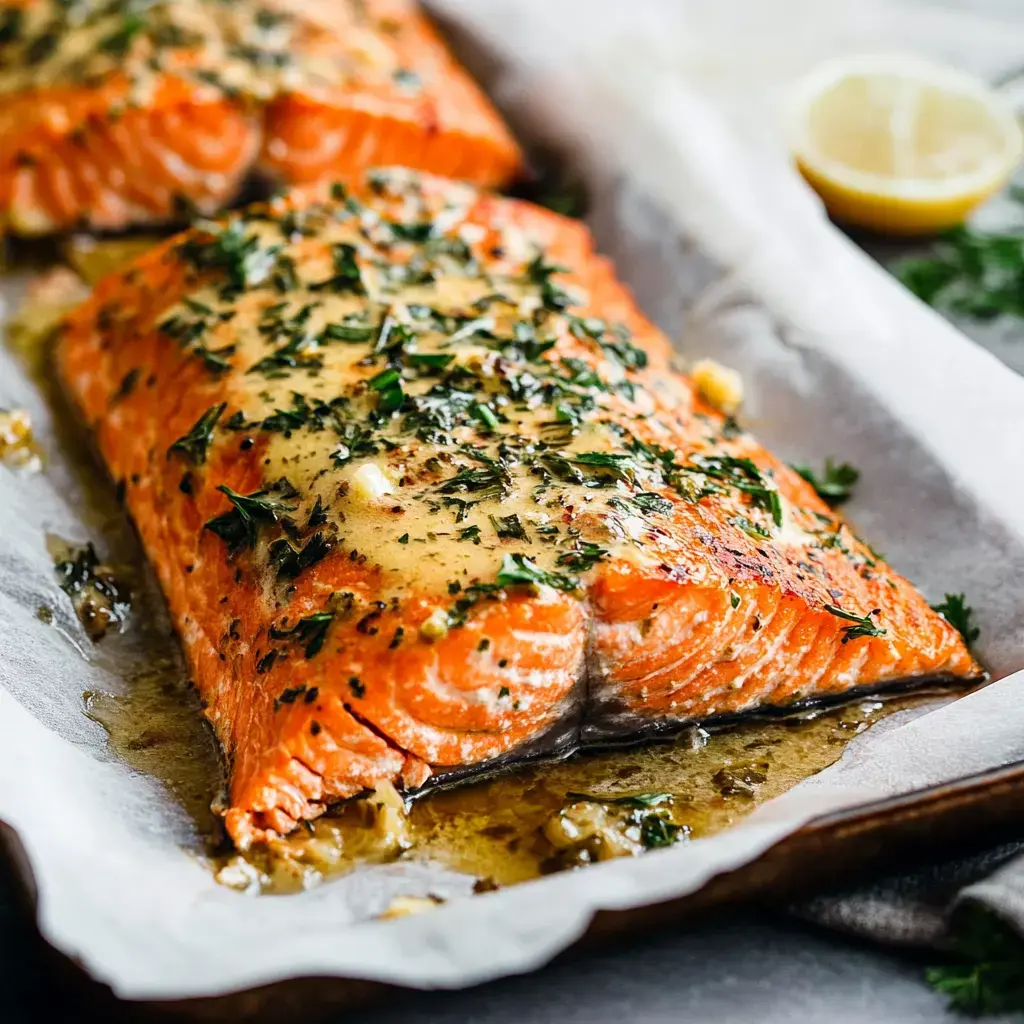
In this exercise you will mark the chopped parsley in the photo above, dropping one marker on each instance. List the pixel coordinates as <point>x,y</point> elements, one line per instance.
<point>238,528</point>
<point>836,482</point>
<point>985,971</point>
<point>978,275</point>
<point>584,556</point>
<point>506,527</point>
<point>958,613</point>
<point>862,625</point>
<point>346,276</point>
<point>310,633</point>
<point>228,248</point>
<point>192,447</point>
<point>518,569</point>
<point>290,561</point>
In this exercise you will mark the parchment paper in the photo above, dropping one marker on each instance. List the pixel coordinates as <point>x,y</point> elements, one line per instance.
<point>733,257</point>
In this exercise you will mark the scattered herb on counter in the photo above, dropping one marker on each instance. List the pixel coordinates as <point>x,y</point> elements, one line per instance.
<point>988,975</point>
<point>971,273</point>
<point>836,482</point>
<point>862,626</point>
<point>958,613</point>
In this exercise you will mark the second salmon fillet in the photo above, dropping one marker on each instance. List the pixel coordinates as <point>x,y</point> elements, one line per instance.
<point>424,492</point>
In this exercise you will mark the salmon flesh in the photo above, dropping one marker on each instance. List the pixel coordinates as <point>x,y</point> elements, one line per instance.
<point>115,113</point>
<point>425,492</point>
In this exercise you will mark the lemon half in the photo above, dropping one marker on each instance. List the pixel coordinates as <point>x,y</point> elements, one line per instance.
<point>900,144</point>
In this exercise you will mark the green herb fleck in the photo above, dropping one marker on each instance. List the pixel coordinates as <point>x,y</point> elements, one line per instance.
<point>238,528</point>
<point>194,444</point>
<point>958,613</point>
<point>309,632</point>
<point>988,975</point>
<point>835,484</point>
<point>518,569</point>
<point>862,626</point>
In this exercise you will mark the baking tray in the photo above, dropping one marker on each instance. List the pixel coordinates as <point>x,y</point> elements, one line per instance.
<point>834,850</point>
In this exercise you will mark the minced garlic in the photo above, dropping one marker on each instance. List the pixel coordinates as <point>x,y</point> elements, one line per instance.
<point>17,444</point>
<point>436,626</point>
<point>719,386</point>
<point>370,484</point>
<point>404,906</point>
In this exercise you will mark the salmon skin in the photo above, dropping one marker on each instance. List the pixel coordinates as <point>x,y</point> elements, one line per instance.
<point>119,112</point>
<point>425,495</point>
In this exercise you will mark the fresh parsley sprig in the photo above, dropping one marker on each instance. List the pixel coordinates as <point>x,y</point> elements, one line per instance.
<point>958,613</point>
<point>987,975</point>
<point>974,274</point>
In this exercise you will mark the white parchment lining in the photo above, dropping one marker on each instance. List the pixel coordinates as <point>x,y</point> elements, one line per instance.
<point>732,257</point>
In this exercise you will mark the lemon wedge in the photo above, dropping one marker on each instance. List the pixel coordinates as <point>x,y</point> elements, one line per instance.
<point>900,144</point>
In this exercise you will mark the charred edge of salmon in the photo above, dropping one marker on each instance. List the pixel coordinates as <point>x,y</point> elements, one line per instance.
<point>639,732</point>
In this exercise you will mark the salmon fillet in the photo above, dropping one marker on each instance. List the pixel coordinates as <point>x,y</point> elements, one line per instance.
<point>114,113</point>
<point>424,492</point>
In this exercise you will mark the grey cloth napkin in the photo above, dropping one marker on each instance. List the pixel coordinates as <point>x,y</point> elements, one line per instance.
<point>915,910</point>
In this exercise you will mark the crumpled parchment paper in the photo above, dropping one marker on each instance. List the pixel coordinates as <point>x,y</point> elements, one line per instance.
<point>733,257</point>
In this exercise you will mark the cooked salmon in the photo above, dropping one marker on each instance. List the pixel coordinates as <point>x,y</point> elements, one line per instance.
<point>424,492</point>
<point>114,113</point>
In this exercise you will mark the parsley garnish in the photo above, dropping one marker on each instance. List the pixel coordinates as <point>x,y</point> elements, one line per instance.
<point>228,248</point>
<point>193,445</point>
<point>836,483</point>
<point>505,527</point>
<point>120,40</point>
<point>388,385</point>
<point>657,831</point>
<point>310,632</point>
<point>958,613</point>
<point>290,561</point>
<point>975,274</point>
<point>539,272</point>
<point>583,557</point>
<point>646,502</point>
<point>862,626</point>
<point>238,528</point>
<point>346,276</point>
<point>988,977</point>
<point>518,569</point>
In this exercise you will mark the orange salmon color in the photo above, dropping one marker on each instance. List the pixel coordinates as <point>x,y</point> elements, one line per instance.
<point>424,493</point>
<point>114,114</point>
